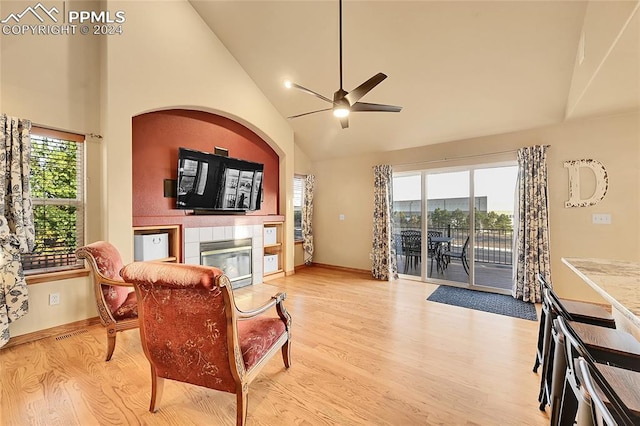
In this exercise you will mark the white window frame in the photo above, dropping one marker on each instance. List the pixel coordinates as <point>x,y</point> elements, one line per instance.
<point>78,202</point>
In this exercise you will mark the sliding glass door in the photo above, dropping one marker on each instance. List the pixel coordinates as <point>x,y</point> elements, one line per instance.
<point>448,220</point>
<point>455,226</point>
<point>493,261</point>
<point>407,216</point>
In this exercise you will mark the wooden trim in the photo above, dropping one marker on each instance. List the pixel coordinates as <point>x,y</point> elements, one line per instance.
<point>299,267</point>
<point>56,276</point>
<point>272,276</point>
<point>57,134</point>
<point>342,268</point>
<point>289,273</point>
<point>51,332</point>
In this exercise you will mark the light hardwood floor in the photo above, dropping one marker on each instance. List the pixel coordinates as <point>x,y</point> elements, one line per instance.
<point>364,352</point>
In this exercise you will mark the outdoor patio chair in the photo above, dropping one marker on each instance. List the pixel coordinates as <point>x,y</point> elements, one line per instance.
<point>447,255</point>
<point>412,248</point>
<point>432,249</point>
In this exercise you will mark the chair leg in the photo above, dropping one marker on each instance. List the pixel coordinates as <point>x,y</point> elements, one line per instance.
<point>286,353</point>
<point>548,362</point>
<point>242,398</point>
<point>111,342</point>
<point>157,386</point>
<point>541,340</point>
<point>465,264</point>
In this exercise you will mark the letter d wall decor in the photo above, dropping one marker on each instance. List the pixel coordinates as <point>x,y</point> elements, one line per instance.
<point>602,182</point>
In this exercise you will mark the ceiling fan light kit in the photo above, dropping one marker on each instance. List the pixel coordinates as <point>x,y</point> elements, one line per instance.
<point>346,102</point>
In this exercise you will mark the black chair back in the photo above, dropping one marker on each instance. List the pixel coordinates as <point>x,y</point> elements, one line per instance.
<point>600,413</point>
<point>575,350</point>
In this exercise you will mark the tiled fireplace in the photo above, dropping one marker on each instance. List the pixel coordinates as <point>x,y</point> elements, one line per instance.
<point>227,246</point>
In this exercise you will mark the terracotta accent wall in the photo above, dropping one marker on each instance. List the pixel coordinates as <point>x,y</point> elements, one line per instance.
<point>155,142</point>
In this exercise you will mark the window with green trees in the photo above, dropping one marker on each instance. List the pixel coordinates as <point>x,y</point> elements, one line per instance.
<point>57,191</point>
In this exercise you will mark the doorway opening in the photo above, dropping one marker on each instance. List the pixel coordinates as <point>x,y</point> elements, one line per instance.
<point>455,226</point>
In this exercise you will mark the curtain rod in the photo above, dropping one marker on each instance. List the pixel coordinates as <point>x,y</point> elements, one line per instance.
<point>461,157</point>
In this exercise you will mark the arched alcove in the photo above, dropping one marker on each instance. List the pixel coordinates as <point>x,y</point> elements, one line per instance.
<point>156,137</point>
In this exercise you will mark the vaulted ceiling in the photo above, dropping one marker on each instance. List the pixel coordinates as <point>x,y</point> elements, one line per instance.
<point>459,69</point>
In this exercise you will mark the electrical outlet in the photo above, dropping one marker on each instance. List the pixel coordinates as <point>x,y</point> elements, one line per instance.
<point>601,219</point>
<point>54,299</point>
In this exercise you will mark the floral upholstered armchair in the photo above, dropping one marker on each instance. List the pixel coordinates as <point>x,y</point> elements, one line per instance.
<point>192,331</point>
<point>115,299</point>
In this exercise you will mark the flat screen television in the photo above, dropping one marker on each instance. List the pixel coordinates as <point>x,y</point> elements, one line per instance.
<point>210,182</point>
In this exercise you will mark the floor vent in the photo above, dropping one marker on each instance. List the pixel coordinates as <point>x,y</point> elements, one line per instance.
<point>66,336</point>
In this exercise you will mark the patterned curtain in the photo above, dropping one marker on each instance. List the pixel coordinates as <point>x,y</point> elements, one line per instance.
<point>384,265</point>
<point>17,232</point>
<point>307,217</point>
<point>531,236</point>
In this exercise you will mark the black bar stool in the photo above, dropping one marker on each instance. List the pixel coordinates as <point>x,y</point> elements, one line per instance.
<point>552,306</point>
<point>572,401</point>
<point>614,395</point>
<point>605,345</point>
<point>589,313</point>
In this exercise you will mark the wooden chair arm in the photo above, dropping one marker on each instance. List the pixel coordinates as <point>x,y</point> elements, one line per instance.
<point>82,253</point>
<point>109,281</point>
<point>275,300</point>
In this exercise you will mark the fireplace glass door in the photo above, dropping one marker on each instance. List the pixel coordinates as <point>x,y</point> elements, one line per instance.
<point>233,257</point>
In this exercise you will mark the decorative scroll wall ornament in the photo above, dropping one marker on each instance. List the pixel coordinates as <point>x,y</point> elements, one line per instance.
<point>602,182</point>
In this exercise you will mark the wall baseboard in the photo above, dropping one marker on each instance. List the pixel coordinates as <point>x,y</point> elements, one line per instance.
<point>51,332</point>
<point>342,268</point>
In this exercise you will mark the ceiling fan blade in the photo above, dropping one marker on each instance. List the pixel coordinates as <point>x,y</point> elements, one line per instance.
<point>311,92</point>
<point>310,112</point>
<point>355,95</point>
<point>344,122</point>
<point>364,106</point>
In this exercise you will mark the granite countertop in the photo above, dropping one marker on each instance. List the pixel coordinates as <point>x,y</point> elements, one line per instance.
<point>617,281</point>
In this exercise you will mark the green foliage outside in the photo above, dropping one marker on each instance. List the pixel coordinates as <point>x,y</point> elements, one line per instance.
<point>440,218</point>
<point>54,177</point>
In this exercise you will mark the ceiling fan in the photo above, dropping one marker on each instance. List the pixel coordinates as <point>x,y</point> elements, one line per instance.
<point>346,102</point>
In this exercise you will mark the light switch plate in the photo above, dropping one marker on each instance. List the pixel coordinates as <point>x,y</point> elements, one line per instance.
<point>601,219</point>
